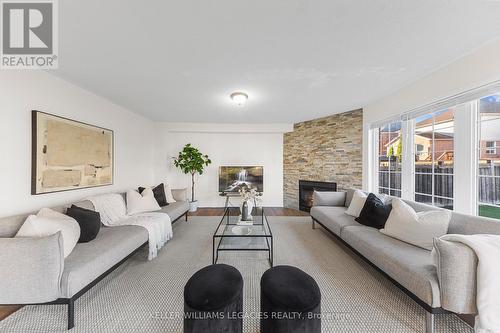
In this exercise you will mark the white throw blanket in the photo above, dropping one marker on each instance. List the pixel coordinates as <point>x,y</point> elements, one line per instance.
<point>487,249</point>
<point>112,209</point>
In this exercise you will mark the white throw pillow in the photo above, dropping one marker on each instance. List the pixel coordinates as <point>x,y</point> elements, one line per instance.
<point>357,203</point>
<point>418,229</point>
<point>168,193</point>
<point>48,222</point>
<point>141,203</point>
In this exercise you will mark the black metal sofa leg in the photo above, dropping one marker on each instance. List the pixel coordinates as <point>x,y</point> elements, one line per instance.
<point>429,322</point>
<point>186,216</point>
<point>71,314</point>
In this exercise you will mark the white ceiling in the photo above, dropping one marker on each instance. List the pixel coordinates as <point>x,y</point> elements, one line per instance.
<point>297,59</point>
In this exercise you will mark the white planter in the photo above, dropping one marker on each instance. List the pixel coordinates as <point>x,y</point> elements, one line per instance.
<point>193,206</point>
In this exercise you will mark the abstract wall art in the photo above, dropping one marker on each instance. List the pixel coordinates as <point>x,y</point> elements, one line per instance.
<point>68,154</point>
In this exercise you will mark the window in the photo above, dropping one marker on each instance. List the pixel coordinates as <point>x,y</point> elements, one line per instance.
<point>488,157</point>
<point>434,158</point>
<point>491,148</point>
<point>389,159</point>
<point>445,154</point>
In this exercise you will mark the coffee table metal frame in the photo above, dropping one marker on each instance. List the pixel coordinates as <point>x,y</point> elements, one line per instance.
<point>230,220</point>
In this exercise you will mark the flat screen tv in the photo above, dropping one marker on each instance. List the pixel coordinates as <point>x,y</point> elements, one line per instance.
<point>231,178</point>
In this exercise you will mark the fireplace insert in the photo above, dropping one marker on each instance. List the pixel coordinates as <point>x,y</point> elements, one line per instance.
<point>306,189</point>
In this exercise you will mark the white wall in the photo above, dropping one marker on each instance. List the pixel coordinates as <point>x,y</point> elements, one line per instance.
<point>23,91</point>
<point>480,67</point>
<point>226,144</point>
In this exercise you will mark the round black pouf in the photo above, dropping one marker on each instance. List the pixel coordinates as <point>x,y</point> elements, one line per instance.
<point>290,301</point>
<point>213,301</point>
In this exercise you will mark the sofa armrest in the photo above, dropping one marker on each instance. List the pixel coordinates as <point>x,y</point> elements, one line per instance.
<point>31,269</point>
<point>456,269</point>
<point>180,194</point>
<point>328,198</point>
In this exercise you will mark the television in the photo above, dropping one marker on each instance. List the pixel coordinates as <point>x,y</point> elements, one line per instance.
<point>232,178</point>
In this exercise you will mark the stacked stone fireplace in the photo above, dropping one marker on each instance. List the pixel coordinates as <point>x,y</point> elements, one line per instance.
<point>325,150</point>
<point>306,190</point>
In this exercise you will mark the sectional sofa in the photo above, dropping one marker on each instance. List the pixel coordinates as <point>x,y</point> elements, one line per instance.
<point>446,283</point>
<point>34,270</point>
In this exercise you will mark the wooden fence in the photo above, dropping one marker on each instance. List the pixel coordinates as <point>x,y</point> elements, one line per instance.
<point>489,187</point>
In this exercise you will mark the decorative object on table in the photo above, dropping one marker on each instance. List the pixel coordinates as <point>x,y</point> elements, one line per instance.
<point>213,300</point>
<point>295,295</point>
<point>191,161</point>
<point>249,197</point>
<point>68,154</point>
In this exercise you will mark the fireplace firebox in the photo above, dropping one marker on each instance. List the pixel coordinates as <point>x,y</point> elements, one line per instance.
<point>306,189</point>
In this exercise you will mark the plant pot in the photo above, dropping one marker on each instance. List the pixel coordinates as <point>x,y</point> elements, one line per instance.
<point>193,206</point>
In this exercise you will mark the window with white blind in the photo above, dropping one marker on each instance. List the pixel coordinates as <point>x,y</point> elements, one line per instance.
<point>445,154</point>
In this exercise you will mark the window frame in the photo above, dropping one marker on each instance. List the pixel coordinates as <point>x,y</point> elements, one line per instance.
<point>376,160</point>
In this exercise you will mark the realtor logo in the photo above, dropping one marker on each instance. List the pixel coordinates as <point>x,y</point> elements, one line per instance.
<point>29,34</point>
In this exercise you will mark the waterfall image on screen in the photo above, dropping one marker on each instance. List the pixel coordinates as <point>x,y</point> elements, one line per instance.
<point>231,178</point>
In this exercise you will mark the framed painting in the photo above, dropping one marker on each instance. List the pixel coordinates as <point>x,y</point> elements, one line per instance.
<point>68,154</point>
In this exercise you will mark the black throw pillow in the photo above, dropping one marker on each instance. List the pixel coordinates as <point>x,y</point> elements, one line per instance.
<point>374,213</point>
<point>159,193</point>
<point>89,221</point>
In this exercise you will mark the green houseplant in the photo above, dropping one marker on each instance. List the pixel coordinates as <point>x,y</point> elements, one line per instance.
<point>191,161</point>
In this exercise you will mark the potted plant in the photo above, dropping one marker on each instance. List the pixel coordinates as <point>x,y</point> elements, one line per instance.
<point>191,161</point>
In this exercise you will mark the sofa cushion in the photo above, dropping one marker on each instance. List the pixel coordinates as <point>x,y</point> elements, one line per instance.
<point>176,209</point>
<point>462,223</point>
<point>89,260</point>
<point>418,229</point>
<point>410,266</point>
<point>333,218</point>
<point>159,194</point>
<point>89,221</point>
<point>48,222</point>
<point>357,203</point>
<point>374,213</point>
<point>328,198</point>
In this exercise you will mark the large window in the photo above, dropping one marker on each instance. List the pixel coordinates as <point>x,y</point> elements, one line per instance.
<point>389,159</point>
<point>434,158</point>
<point>445,154</point>
<point>489,157</point>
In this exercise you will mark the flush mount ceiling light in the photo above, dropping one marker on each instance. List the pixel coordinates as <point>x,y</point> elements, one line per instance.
<point>239,98</point>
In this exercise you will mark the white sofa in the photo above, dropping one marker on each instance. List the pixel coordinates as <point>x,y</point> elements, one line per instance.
<point>449,287</point>
<point>34,270</point>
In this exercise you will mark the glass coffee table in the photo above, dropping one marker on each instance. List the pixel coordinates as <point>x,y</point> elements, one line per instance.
<point>234,235</point>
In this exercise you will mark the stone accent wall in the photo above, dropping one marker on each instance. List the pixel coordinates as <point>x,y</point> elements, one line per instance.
<point>324,149</point>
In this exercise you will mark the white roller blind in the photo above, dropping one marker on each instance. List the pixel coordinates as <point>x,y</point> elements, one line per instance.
<point>452,101</point>
<point>442,104</point>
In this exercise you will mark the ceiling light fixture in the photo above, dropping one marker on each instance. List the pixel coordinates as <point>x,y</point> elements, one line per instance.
<point>239,98</point>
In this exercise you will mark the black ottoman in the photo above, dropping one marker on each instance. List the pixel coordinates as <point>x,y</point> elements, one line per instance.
<point>290,301</point>
<point>213,300</point>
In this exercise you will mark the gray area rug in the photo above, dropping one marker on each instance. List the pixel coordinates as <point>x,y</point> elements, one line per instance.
<point>142,296</point>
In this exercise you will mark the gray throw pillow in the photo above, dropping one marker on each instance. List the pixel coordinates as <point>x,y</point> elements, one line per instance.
<point>326,198</point>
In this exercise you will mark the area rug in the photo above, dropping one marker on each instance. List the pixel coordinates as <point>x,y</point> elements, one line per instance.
<point>147,296</point>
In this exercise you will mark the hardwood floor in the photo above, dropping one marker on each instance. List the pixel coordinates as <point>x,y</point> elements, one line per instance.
<point>270,211</point>
<point>7,310</point>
